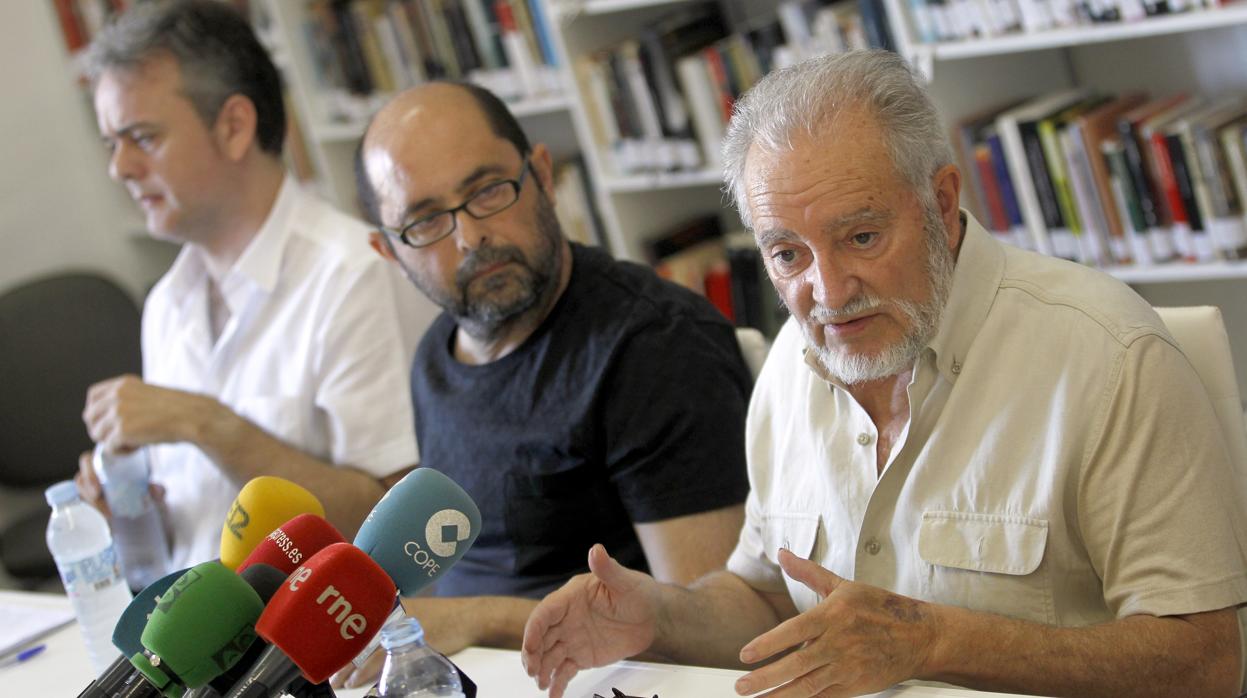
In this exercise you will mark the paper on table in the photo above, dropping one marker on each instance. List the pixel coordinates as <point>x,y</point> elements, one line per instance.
<point>21,625</point>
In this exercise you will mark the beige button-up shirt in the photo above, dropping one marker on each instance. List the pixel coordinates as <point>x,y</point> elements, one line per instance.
<point>1062,463</point>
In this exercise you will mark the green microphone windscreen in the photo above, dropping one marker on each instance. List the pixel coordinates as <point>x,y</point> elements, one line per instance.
<point>202,625</point>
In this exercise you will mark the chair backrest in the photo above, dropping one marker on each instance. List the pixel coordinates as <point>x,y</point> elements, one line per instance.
<point>1201,334</point>
<point>58,335</point>
<point>753,346</point>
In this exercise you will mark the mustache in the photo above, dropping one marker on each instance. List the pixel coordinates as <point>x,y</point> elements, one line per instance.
<point>858,304</point>
<point>485,257</point>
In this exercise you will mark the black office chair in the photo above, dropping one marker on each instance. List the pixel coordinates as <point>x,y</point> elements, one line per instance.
<point>58,335</point>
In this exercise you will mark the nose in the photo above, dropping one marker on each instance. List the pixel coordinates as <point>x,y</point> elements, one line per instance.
<point>833,282</point>
<point>124,163</point>
<point>470,234</point>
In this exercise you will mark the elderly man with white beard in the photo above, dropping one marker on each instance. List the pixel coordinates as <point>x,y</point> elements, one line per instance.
<point>968,463</point>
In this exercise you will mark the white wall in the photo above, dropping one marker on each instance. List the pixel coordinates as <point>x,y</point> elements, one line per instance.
<point>58,208</point>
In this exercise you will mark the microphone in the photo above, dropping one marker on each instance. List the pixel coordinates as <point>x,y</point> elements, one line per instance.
<point>288,545</point>
<point>200,628</point>
<point>121,678</point>
<point>262,505</point>
<point>421,527</point>
<point>320,618</point>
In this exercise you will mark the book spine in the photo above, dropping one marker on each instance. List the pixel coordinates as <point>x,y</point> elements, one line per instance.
<point>1008,194</point>
<point>1167,184</point>
<point>1159,237</point>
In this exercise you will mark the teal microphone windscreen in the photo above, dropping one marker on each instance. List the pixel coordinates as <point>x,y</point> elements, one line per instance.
<point>130,625</point>
<point>421,527</point>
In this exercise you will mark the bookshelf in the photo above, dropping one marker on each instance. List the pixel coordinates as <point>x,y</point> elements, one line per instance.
<point>1199,51</point>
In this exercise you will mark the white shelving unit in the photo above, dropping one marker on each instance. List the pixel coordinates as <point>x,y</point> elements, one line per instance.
<point>332,143</point>
<point>1203,51</point>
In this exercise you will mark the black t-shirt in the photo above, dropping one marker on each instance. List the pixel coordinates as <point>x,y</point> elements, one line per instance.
<point>626,405</point>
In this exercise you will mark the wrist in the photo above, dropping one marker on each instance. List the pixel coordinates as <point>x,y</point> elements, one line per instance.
<point>212,427</point>
<point>936,660</point>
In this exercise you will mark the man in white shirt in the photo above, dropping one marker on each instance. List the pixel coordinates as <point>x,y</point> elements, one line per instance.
<point>968,463</point>
<point>277,344</point>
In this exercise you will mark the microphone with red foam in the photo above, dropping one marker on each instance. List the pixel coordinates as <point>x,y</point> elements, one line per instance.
<point>320,618</point>
<point>288,545</point>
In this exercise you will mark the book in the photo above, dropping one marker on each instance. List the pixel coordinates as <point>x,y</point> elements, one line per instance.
<point>1098,127</point>
<point>1024,154</point>
<point>1159,237</point>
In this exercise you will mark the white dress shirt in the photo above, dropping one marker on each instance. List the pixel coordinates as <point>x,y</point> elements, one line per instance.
<point>317,352</point>
<point>1061,464</point>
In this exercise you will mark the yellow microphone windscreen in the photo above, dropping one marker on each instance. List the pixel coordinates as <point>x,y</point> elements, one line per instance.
<point>261,506</point>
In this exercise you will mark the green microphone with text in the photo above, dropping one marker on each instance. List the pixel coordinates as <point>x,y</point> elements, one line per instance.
<point>199,628</point>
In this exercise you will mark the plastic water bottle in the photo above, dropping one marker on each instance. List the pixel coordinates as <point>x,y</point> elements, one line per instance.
<point>412,669</point>
<point>83,549</point>
<point>138,532</point>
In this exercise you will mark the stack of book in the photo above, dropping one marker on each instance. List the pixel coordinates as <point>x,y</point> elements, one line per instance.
<point>1112,180</point>
<point>574,207</point>
<point>82,19</point>
<point>365,50</point>
<point>661,102</point>
<point>726,269</point>
<point>956,20</point>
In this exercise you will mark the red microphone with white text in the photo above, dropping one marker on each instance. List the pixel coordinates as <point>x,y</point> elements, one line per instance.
<point>319,619</point>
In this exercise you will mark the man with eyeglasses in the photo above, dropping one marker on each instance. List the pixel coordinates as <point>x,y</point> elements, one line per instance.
<point>576,398</point>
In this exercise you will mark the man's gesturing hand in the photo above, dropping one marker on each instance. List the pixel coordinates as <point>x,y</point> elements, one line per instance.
<point>593,620</point>
<point>859,639</point>
<point>124,413</point>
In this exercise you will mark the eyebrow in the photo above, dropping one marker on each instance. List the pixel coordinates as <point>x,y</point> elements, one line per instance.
<point>863,215</point>
<point>127,131</point>
<point>475,176</point>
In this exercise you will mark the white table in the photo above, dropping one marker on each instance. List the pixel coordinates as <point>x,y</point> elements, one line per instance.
<point>62,670</point>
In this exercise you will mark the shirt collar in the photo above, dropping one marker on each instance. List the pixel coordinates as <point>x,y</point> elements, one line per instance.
<point>976,277</point>
<point>259,263</point>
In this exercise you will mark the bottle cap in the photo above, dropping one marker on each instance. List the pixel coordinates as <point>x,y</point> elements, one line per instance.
<point>401,631</point>
<point>61,493</point>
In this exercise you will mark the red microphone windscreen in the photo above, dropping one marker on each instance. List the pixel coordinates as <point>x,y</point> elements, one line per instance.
<point>328,610</point>
<point>293,542</point>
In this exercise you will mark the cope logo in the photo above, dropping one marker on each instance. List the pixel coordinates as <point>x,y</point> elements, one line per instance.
<point>444,531</point>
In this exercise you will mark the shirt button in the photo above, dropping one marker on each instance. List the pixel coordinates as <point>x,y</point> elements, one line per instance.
<point>956,368</point>
<point>873,547</point>
<point>864,439</point>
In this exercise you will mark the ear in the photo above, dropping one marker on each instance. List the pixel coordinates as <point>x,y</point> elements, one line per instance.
<point>382,245</point>
<point>543,168</point>
<point>947,186</point>
<point>235,128</point>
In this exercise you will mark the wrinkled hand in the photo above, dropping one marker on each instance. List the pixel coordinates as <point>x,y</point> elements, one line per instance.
<point>124,413</point>
<point>593,620</point>
<point>859,639</point>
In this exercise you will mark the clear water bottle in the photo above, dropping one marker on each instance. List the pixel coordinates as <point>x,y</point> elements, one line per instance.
<point>138,532</point>
<point>83,549</point>
<point>412,669</point>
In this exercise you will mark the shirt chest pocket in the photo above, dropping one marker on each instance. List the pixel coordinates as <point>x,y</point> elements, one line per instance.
<point>799,533</point>
<point>985,562</point>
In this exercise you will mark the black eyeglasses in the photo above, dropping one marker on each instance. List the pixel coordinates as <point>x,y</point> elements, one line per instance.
<point>492,199</point>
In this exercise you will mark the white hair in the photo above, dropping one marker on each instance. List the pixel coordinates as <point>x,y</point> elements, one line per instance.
<point>807,97</point>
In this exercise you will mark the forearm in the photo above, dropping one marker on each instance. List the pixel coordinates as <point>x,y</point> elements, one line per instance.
<point>489,621</point>
<point>1195,655</point>
<point>707,623</point>
<point>244,451</point>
